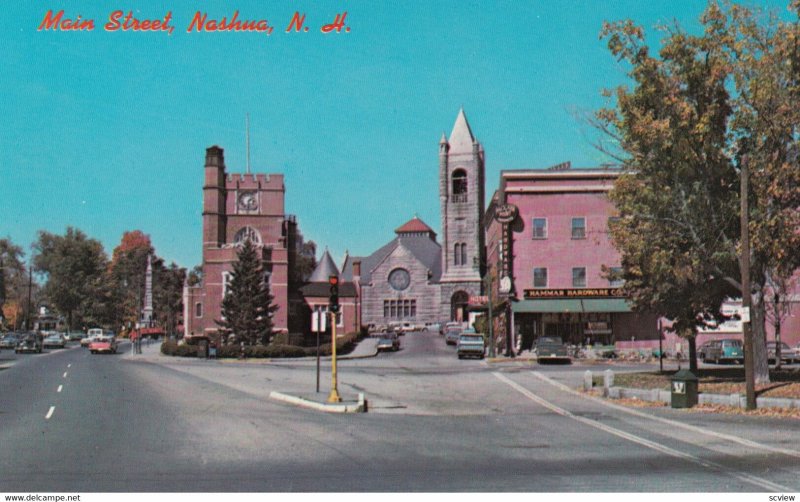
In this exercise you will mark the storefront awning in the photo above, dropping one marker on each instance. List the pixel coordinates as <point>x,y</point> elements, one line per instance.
<point>564,306</point>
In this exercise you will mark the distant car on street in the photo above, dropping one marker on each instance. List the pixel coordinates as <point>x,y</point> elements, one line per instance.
<point>103,343</point>
<point>76,336</point>
<point>29,343</point>
<point>470,344</point>
<point>432,326</point>
<point>726,350</point>
<point>551,348</point>
<point>389,341</point>
<point>55,340</point>
<point>703,349</point>
<point>9,341</point>
<point>451,335</point>
<point>788,356</point>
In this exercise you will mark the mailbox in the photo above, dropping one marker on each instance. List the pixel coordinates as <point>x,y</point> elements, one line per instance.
<point>684,389</point>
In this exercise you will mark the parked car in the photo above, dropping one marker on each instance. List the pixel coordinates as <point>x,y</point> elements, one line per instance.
<point>726,350</point>
<point>75,336</point>
<point>389,341</point>
<point>703,349</point>
<point>551,348</point>
<point>29,343</point>
<point>451,335</point>
<point>9,341</point>
<point>56,340</point>
<point>432,326</point>
<point>103,343</point>
<point>787,354</point>
<point>470,344</point>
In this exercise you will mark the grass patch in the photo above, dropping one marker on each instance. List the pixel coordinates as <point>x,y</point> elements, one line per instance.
<point>784,383</point>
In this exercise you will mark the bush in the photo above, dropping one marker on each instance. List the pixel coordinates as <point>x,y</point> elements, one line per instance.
<point>187,351</point>
<point>228,351</point>
<point>169,347</point>
<point>344,345</point>
<point>281,350</point>
<point>297,339</point>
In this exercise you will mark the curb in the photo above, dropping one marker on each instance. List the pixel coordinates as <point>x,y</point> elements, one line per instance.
<point>735,400</point>
<point>344,407</point>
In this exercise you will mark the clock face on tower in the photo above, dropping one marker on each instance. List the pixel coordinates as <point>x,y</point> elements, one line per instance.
<point>248,201</point>
<point>399,279</point>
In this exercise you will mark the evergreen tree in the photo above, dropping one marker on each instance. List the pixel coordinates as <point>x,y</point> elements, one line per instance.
<point>247,308</point>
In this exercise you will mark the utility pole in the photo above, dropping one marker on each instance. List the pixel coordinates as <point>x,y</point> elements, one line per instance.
<point>744,264</point>
<point>30,288</point>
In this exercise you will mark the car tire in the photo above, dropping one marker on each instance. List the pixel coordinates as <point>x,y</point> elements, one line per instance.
<point>460,356</point>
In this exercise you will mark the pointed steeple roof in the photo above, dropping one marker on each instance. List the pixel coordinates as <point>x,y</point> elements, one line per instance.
<point>461,138</point>
<point>325,268</point>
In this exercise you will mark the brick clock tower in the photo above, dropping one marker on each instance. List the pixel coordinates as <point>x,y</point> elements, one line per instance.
<point>239,207</point>
<point>461,195</point>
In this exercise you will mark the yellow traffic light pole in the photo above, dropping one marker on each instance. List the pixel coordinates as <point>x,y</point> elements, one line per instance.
<point>334,395</point>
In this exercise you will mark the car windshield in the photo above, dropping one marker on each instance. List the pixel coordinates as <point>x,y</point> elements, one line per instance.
<point>550,339</point>
<point>471,338</point>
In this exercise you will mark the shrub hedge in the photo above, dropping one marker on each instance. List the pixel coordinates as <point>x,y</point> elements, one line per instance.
<point>276,349</point>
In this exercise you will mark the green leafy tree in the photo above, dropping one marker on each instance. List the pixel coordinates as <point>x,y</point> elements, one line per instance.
<point>73,265</point>
<point>168,294</point>
<point>13,280</point>
<point>698,109</point>
<point>247,308</point>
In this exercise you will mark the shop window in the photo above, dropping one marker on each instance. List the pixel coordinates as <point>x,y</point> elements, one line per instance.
<point>615,279</point>
<point>579,277</point>
<point>579,228</point>
<point>539,277</point>
<point>540,228</point>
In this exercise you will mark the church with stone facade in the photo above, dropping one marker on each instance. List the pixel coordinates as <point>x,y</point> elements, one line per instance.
<point>415,278</point>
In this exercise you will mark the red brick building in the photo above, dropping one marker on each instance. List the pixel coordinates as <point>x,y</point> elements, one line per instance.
<point>239,207</point>
<point>553,254</point>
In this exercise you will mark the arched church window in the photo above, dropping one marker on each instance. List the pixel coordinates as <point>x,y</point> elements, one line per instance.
<point>459,185</point>
<point>247,233</point>
<point>463,253</point>
<point>457,254</point>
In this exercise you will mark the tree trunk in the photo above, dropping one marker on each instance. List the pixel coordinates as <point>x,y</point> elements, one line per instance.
<point>758,320</point>
<point>777,326</point>
<point>692,340</point>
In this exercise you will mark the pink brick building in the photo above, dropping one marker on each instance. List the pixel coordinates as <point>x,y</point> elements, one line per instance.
<point>238,207</point>
<point>554,254</point>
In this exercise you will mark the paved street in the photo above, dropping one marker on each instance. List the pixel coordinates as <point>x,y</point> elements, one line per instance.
<point>149,423</point>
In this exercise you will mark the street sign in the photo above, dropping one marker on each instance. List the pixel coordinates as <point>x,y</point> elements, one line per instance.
<point>478,300</point>
<point>319,321</point>
<point>505,285</point>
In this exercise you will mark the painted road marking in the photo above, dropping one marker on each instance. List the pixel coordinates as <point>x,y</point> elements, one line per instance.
<point>754,480</point>
<point>50,413</point>
<point>672,423</point>
<point>69,365</point>
<point>65,374</point>
<point>59,388</point>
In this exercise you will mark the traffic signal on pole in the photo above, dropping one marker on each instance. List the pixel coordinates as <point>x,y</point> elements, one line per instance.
<point>333,303</point>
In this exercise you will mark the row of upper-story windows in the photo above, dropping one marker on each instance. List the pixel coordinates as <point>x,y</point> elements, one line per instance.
<point>577,227</point>
<point>578,277</point>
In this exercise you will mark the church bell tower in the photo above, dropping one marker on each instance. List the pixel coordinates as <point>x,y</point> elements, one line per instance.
<point>461,196</point>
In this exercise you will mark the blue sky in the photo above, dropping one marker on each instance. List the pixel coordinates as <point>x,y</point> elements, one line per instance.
<point>107,131</point>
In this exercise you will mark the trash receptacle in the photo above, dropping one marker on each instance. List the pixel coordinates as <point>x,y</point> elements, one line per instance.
<point>684,389</point>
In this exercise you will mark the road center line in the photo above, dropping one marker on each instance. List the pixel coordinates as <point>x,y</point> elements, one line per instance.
<point>65,374</point>
<point>59,388</point>
<point>672,423</point>
<point>50,413</point>
<point>754,480</point>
